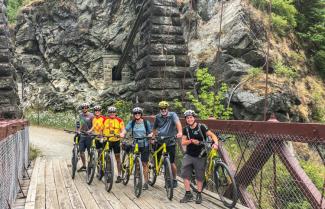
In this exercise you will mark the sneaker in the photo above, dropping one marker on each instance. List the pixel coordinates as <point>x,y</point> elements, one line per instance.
<point>174,183</point>
<point>198,198</point>
<point>145,186</point>
<point>187,198</point>
<point>118,179</point>
<point>82,168</point>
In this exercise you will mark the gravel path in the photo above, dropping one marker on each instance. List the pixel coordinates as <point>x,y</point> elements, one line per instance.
<point>53,143</point>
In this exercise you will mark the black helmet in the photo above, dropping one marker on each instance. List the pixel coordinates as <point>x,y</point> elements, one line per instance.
<point>189,113</point>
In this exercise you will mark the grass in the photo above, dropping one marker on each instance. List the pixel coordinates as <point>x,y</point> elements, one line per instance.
<point>59,120</point>
<point>33,152</point>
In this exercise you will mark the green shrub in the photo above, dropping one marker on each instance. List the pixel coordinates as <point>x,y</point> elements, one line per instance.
<point>210,100</point>
<point>319,60</point>
<point>285,71</point>
<point>280,24</point>
<point>124,109</point>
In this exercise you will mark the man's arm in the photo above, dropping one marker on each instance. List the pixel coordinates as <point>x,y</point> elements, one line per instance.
<point>179,129</point>
<point>213,137</point>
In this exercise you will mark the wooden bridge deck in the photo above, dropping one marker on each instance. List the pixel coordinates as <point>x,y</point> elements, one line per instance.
<point>51,186</point>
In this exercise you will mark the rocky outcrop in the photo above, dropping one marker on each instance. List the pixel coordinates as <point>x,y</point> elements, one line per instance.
<point>9,100</point>
<point>63,49</point>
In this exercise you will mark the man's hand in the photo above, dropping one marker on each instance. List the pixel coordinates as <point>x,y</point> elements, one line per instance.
<point>195,141</point>
<point>215,146</point>
<point>179,135</point>
<point>122,135</point>
<point>150,135</point>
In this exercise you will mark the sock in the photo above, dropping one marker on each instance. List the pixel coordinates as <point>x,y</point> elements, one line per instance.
<point>188,192</point>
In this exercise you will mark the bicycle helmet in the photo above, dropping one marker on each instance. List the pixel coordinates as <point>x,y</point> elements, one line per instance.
<point>111,109</point>
<point>163,104</point>
<point>83,105</point>
<point>97,108</point>
<point>189,113</point>
<point>137,110</point>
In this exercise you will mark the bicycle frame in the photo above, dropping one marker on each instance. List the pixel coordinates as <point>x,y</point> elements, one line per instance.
<point>158,165</point>
<point>131,157</point>
<point>213,154</point>
<point>102,156</point>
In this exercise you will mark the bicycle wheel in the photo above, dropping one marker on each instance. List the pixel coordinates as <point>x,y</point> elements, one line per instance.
<point>152,171</point>
<point>138,176</point>
<point>225,185</point>
<point>109,171</point>
<point>74,161</point>
<point>91,166</point>
<point>168,176</point>
<point>125,168</point>
<point>100,170</point>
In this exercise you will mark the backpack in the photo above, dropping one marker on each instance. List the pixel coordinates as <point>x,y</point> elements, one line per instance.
<point>200,131</point>
<point>145,126</point>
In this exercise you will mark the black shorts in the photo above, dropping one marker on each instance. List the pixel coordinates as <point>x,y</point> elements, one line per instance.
<point>171,150</point>
<point>144,153</point>
<point>115,146</point>
<point>100,145</point>
<point>84,143</point>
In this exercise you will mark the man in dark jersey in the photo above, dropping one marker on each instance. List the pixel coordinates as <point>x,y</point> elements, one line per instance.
<point>86,119</point>
<point>193,133</point>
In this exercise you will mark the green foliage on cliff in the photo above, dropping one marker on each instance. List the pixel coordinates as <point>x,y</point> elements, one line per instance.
<point>210,100</point>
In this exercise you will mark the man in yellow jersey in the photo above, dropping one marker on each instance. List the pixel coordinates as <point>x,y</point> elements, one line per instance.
<point>113,126</point>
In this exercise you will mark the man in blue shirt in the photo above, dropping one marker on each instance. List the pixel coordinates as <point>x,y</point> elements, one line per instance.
<point>140,129</point>
<point>167,124</point>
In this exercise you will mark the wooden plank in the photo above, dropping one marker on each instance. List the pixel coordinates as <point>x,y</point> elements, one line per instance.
<point>124,199</point>
<point>84,193</point>
<point>31,195</point>
<point>40,189</point>
<point>63,198</point>
<point>75,198</point>
<point>141,201</point>
<point>51,195</point>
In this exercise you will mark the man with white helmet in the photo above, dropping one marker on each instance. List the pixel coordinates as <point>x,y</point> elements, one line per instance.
<point>140,129</point>
<point>86,119</point>
<point>113,126</point>
<point>193,133</point>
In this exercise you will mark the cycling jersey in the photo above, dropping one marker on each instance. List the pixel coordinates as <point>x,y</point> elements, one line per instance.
<point>98,124</point>
<point>113,126</point>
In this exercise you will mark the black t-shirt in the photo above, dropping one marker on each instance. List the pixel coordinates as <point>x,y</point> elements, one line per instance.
<point>192,149</point>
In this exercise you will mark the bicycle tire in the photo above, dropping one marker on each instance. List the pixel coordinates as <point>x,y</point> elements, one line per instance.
<point>100,169</point>
<point>138,176</point>
<point>168,177</point>
<point>152,171</point>
<point>74,161</point>
<point>223,180</point>
<point>109,171</point>
<point>91,166</point>
<point>125,168</point>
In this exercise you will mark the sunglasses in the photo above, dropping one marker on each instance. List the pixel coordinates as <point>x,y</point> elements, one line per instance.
<point>111,112</point>
<point>85,108</point>
<point>135,113</point>
<point>163,108</point>
<point>97,110</point>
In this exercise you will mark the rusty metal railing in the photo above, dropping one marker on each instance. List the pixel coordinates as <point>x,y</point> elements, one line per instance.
<point>275,164</point>
<point>14,151</point>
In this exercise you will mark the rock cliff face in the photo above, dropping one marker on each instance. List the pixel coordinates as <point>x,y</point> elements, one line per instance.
<point>9,100</point>
<point>65,51</point>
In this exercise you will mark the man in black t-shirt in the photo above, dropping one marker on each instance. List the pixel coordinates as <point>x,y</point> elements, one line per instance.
<point>193,133</point>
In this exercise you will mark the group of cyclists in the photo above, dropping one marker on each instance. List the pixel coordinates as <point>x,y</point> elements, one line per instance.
<point>166,123</point>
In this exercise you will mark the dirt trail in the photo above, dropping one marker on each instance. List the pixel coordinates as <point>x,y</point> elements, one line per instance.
<point>53,143</point>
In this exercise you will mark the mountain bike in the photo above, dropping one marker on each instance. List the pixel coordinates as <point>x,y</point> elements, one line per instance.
<point>156,165</point>
<point>92,159</point>
<point>217,176</point>
<point>105,164</point>
<point>131,159</point>
<point>75,152</point>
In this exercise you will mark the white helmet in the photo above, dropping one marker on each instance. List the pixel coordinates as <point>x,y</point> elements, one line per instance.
<point>111,109</point>
<point>189,113</point>
<point>137,110</point>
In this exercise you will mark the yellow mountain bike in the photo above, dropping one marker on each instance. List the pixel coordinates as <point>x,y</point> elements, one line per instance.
<point>163,163</point>
<point>131,159</point>
<point>105,163</point>
<point>217,177</point>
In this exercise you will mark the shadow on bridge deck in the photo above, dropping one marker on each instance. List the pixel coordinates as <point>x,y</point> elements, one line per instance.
<point>51,186</point>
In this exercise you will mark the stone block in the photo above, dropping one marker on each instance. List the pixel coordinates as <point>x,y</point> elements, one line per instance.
<point>4,42</point>
<point>166,29</point>
<point>156,72</point>
<point>6,69</point>
<point>165,11</point>
<point>4,56</point>
<point>175,49</point>
<point>162,38</point>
